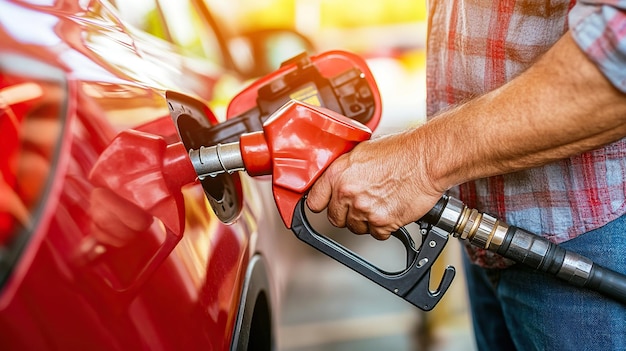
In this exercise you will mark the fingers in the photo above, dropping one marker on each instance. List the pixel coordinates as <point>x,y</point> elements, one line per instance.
<point>358,227</point>
<point>319,198</point>
<point>319,194</point>
<point>343,215</point>
<point>337,215</point>
<point>380,234</point>
<point>364,227</point>
<point>330,192</point>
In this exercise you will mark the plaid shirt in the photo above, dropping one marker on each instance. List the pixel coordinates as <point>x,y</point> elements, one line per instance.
<point>476,46</point>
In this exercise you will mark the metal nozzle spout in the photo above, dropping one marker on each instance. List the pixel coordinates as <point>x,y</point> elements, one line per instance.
<point>213,160</point>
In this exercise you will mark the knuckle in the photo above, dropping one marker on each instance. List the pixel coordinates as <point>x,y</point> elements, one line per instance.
<point>362,204</point>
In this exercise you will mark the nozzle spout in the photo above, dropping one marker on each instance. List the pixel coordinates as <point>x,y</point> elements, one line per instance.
<point>213,160</point>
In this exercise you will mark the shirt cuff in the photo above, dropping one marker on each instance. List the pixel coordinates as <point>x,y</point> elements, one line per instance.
<point>600,31</point>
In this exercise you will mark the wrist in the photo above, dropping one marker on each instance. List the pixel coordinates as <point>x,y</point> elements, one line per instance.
<point>434,158</point>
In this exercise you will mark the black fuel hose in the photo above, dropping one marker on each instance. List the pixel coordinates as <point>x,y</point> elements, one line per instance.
<point>538,253</point>
<point>524,247</point>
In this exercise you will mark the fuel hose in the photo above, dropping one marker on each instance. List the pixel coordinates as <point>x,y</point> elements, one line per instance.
<point>524,247</point>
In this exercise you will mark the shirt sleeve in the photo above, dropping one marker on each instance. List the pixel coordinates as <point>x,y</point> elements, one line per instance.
<point>599,29</point>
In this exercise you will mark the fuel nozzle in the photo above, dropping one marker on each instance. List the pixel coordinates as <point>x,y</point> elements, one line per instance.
<point>296,145</point>
<point>534,251</point>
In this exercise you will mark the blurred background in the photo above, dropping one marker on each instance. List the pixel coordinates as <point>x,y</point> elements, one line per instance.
<point>389,34</point>
<point>328,307</point>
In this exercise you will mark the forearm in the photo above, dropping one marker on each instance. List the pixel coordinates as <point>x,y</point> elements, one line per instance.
<point>559,107</point>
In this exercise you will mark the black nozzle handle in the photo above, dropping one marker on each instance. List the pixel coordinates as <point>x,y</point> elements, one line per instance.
<point>411,283</point>
<point>538,253</point>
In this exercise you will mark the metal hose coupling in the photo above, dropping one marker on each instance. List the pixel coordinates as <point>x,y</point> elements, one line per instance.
<point>479,229</point>
<point>486,232</point>
<point>213,160</point>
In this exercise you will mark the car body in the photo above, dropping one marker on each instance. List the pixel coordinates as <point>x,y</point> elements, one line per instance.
<point>107,240</point>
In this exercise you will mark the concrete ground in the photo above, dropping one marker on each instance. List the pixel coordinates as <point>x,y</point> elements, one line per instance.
<point>329,307</point>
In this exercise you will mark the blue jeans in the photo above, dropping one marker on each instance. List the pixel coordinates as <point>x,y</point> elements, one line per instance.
<point>521,309</point>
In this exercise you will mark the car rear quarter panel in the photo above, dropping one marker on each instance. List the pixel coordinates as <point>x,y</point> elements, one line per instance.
<point>94,275</point>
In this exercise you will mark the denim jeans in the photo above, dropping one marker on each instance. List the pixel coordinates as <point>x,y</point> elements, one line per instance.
<point>521,309</point>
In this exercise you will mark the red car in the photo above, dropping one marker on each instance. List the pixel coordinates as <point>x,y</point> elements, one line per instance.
<point>107,241</point>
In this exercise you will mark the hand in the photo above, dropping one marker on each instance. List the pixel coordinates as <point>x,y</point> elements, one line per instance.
<point>378,187</point>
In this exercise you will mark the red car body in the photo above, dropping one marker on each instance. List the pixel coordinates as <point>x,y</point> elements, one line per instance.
<point>106,239</point>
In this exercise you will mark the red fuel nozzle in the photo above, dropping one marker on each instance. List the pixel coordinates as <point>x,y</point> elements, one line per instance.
<point>296,145</point>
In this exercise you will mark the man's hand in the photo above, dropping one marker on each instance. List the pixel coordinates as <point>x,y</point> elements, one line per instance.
<point>376,188</point>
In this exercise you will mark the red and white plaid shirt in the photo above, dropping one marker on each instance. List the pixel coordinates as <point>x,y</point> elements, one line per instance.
<point>476,46</point>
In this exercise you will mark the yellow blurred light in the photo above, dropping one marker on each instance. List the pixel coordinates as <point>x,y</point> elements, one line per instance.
<point>255,14</point>
<point>358,13</point>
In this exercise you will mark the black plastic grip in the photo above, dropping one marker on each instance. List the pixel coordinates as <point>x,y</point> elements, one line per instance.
<point>411,283</point>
